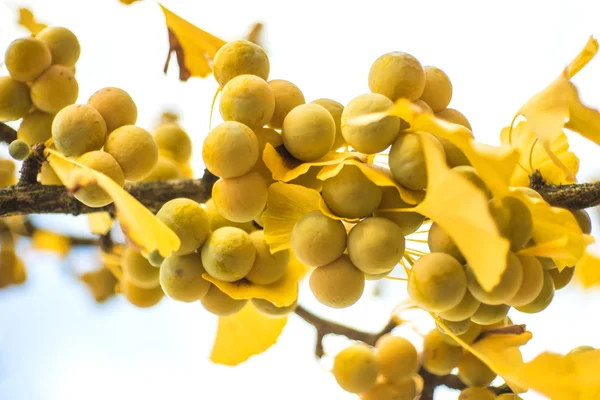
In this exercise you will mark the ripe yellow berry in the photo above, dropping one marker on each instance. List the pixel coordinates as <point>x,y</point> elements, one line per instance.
<point>116,107</point>
<point>514,221</point>
<point>188,220</point>
<point>355,368</point>
<point>562,278</point>
<point>581,349</point>
<point>350,194</point>
<point>488,314</point>
<point>469,173</point>
<point>473,372</point>
<point>15,102</point>
<point>584,221</point>
<point>308,132</point>
<point>36,127</point>
<point>63,45</point>
<point>505,289</point>
<point>439,357</point>
<point>218,221</point>
<point>240,199</point>
<point>230,150</point>
<point>271,310</point>
<point>533,280</point>
<point>218,303</point>
<point>383,390</point>
<point>247,99</point>
<point>164,170</point>
<point>317,240</point>
<point>408,222</point>
<point>142,298</point>
<point>463,310</point>
<point>338,284</point>
<point>134,149</point>
<point>240,57</point>
<point>55,89</point>
<point>267,267</point>
<point>335,109</point>
<point>78,129</point>
<point>407,161</point>
<point>93,195</point>
<point>440,242</point>
<point>181,277</point>
<point>456,327</point>
<point>375,137</point>
<point>228,254</point>
<point>454,116</point>
<point>173,142</point>
<point>397,358</point>
<point>438,89</point>
<point>472,333</point>
<point>287,97</point>
<point>397,75</point>
<point>454,156</point>
<point>476,393</point>
<point>27,58</point>
<point>138,271</point>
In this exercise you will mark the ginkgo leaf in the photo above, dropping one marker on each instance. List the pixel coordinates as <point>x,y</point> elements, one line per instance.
<point>554,249</point>
<point>100,223</point>
<point>55,242</point>
<point>286,204</point>
<point>588,267</point>
<point>255,33</point>
<point>101,283</point>
<point>194,48</point>
<point>142,228</point>
<point>28,21</point>
<point>245,334</point>
<point>129,2</point>
<point>282,293</point>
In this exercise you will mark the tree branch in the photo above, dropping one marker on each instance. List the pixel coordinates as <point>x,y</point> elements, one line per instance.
<point>7,134</point>
<point>576,196</point>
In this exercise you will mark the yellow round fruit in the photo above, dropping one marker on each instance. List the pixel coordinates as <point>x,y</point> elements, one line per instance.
<point>438,89</point>
<point>27,58</point>
<point>408,222</point>
<point>581,349</point>
<point>350,194</point>
<point>375,137</point>
<point>533,280</point>
<point>470,174</point>
<point>230,150</point>
<point>375,245</point>
<point>454,116</point>
<point>228,254</point>
<point>472,333</point>
<point>173,142</point>
<point>407,161</point>
<point>473,372</point>
<point>355,368</point>
<point>335,109</point>
<point>188,220</point>
<point>240,57</point>
<point>338,284</point>
<point>271,310</point>
<point>138,271</point>
<point>397,358</point>
<point>308,132</point>
<point>164,170</point>
<point>48,176</point>
<point>508,396</point>
<point>36,127</point>
<point>505,289</point>
<point>247,99</point>
<point>454,156</point>
<point>93,195</point>
<point>317,240</point>
<point>218,221</point>
<point>218,303</point>
<point>514,221</point>
<point>439,358</point>
<point>142,298</point>
<point>438,241</point>
<point>583,220</point>
<point>437,282</point>
<point>18,149</point>
<point>463,310</point>
<point>116,107</point>
<point>456,327</point>
<point>397,75</point>
<point>488,314</point>
<point>476,393</point>
<point>267,267</point>
<point>240,199</point>
<point>15,102</point>
<point>78,129</point>
<point>63,45</point>
<point>562,278</point>
<point>287,97</point>
<point>383,390</point>
<point>55,89</point>
<point>134,149</point>
<point>181,277</point>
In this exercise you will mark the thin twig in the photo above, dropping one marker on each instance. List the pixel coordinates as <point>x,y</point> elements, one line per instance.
<point>576,196</point>
<point>7,134</point>
<point>32,165</point>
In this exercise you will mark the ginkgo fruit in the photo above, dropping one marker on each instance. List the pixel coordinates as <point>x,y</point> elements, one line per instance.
<point>338,284</point>
<point>476,393</point>
<point>375,245</point>
<point>350,194</point>
<point>507,287</point>
<point>308,132</point>
<point>438,89</point>
<point>164,170</point>
<point>408,222</point>
<point>440,242</point>
<point>583,220</point>
<point>36,127</point>
<point>138,271</point>
<point>247,99</point>
<point>508,396</point>
<point>230,150</point>
<point>397,75</point>
<point>438,357</point>
<point>15,102</point>
<point>134,149</point>
<point>287,97</point>
<point>581,349</point>
<point>375,137</point>
<point>240,199</point>
<point>463,310</point>
<point>78,129</point>
<point>188,220</point>
<point>474,372</point>
<point>355,368</point>
<point>228,254</point>
<point>561,278</point>
<point>454,156</point>
<point>437,282</point>
<point>469,173</point>
<point>142,298</point>
<point>218,221</point>
<point>472,332</point>
<point>335,109</point>
<point>514,221</point>
<point>219,303</point>
<point>173,142</point>
<point>456,327</point>
<point>397,358</point>
<point>488,314</point>
<point>181,277</point>
<point>116,107</point>
<point>383,390</point>
<point>407,161</point>
<point>63,45</point>
<point>454,116</point>
<point>271,310</point>
<point>533,280</point>
<point>27,58</point>
<point>317,240</point>
<point>18,149</point>
<point>240,57</point>
<point>267,267</point>
<point>93,195</point>
<point>55,89</point>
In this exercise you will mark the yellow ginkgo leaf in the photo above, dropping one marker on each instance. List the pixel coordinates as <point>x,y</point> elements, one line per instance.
<point>100,223</point>
<point>282,293</point>
<point>255,33</point>
<point>286,204</point>
<point>242,335</point>
<point>142,228</point>
<point>28,21</point>
<point>462,210</point>
<point>194,48</point>
<point>101,283</point>
<point>554,249</point>
<point>588,267</point>
<point>46,240</point>
<point>129,2</point>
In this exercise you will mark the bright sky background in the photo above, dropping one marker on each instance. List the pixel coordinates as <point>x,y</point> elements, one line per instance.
<point>56,343</point>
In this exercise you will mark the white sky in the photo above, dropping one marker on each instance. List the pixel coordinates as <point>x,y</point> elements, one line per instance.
<point>55,343</point>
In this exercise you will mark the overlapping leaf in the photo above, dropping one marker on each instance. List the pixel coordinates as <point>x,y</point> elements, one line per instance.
<point>28,21</point>
<point>51,241</point>
<point>100,223</point>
